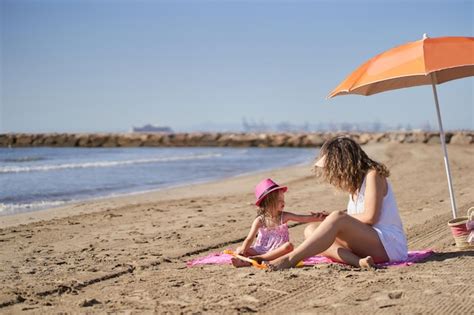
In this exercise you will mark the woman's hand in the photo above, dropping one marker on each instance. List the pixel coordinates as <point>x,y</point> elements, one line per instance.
<point>319,216</point>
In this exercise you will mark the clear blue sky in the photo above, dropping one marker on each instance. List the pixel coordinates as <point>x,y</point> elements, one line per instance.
<point>84,66</point>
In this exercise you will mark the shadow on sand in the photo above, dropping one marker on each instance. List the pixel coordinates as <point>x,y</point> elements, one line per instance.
<point>440,256</point>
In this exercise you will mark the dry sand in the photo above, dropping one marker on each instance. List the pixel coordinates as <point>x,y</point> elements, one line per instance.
<point>128,254</point>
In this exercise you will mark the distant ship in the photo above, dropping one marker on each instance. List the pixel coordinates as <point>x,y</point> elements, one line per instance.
<point>152,128</point>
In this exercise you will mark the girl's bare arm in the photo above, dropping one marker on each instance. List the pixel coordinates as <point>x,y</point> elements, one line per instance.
<point>251,236</point>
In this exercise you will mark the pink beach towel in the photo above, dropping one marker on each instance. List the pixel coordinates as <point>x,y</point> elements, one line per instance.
<point>225,259</point>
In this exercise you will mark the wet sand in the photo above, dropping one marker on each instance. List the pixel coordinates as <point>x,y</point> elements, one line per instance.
<point>128,254</point>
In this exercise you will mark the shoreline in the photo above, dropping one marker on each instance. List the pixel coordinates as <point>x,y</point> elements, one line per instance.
<point>66,209</point>
<point>131,194</point>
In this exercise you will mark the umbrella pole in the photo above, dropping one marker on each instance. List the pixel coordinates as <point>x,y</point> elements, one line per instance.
<point>443,144</point>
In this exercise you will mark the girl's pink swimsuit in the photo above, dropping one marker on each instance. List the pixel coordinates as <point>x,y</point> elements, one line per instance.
<point>271,238</point>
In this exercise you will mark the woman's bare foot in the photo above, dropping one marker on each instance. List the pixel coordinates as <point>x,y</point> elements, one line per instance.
<point>239,263</point>
<point>367,263</point>
<point>280,263</point>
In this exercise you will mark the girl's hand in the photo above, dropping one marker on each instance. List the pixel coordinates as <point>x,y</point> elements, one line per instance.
<point>257,259</point>
<point>319,216</point>
<point>240,251</point>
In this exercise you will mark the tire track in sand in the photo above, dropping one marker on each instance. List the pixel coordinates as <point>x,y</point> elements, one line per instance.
<point>429,234</point>
<point>290,293</point>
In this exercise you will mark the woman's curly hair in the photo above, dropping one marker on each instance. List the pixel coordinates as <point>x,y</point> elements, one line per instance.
<point>346,164</point>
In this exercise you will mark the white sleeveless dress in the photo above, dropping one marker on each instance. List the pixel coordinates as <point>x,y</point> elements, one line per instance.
<point>389,226</point>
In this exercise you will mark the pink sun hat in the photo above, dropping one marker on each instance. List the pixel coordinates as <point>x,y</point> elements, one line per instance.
<point>265,187</point>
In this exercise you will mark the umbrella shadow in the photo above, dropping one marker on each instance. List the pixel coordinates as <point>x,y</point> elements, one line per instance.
<point>442,256</point>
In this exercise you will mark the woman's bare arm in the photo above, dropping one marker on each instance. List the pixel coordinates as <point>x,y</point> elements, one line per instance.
<point>304,218</point>
<point>375,191</point>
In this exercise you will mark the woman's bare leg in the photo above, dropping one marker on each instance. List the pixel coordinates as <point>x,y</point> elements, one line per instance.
<point>340,253</point>
<point>274,254</point>
<point>360,238</point>
<point>309,229</point>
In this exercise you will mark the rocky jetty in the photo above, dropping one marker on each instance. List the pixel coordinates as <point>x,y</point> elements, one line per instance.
<point>198,139</point>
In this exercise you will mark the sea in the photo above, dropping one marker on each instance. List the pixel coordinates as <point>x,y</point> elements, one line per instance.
<point>32,179</point>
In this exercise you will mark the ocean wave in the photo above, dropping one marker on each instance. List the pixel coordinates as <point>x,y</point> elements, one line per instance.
<point>62,194</point>
<point>99,164</point>
<point>14,208</point>
<point>23,159</point>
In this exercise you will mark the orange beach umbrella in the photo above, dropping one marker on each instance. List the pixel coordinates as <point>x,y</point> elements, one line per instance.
<point>429,61</point>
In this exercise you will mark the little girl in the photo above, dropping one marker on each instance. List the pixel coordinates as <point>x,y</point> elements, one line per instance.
<point>273,238</point>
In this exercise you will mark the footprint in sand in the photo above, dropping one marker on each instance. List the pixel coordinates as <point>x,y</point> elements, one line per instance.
<point>89,303</point>
<point>140,241</point>
<point>111,215</point>
<point>395,295</point>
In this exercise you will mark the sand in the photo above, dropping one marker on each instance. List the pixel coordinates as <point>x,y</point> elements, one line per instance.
<point>128,254</point>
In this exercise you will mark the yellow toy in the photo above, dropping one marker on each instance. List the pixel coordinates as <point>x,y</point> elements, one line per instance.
<point>249,260</point>
<point>252,261</point>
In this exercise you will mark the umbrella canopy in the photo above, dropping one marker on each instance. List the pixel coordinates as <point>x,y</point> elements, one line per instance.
<point>411,65</point>
<point>429,61</point>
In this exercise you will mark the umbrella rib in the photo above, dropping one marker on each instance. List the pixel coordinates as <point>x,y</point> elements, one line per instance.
<point>368,63</point>
<point>349,89</point>
<point>424,55</point>
<point>381,81</point>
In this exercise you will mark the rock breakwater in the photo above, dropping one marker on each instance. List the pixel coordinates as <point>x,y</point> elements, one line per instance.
<point>201,139</point>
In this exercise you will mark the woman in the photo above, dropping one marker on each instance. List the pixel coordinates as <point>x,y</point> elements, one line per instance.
<point>371,231</point>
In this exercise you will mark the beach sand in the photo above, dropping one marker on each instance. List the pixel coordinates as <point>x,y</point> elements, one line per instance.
<point>128,254</point>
